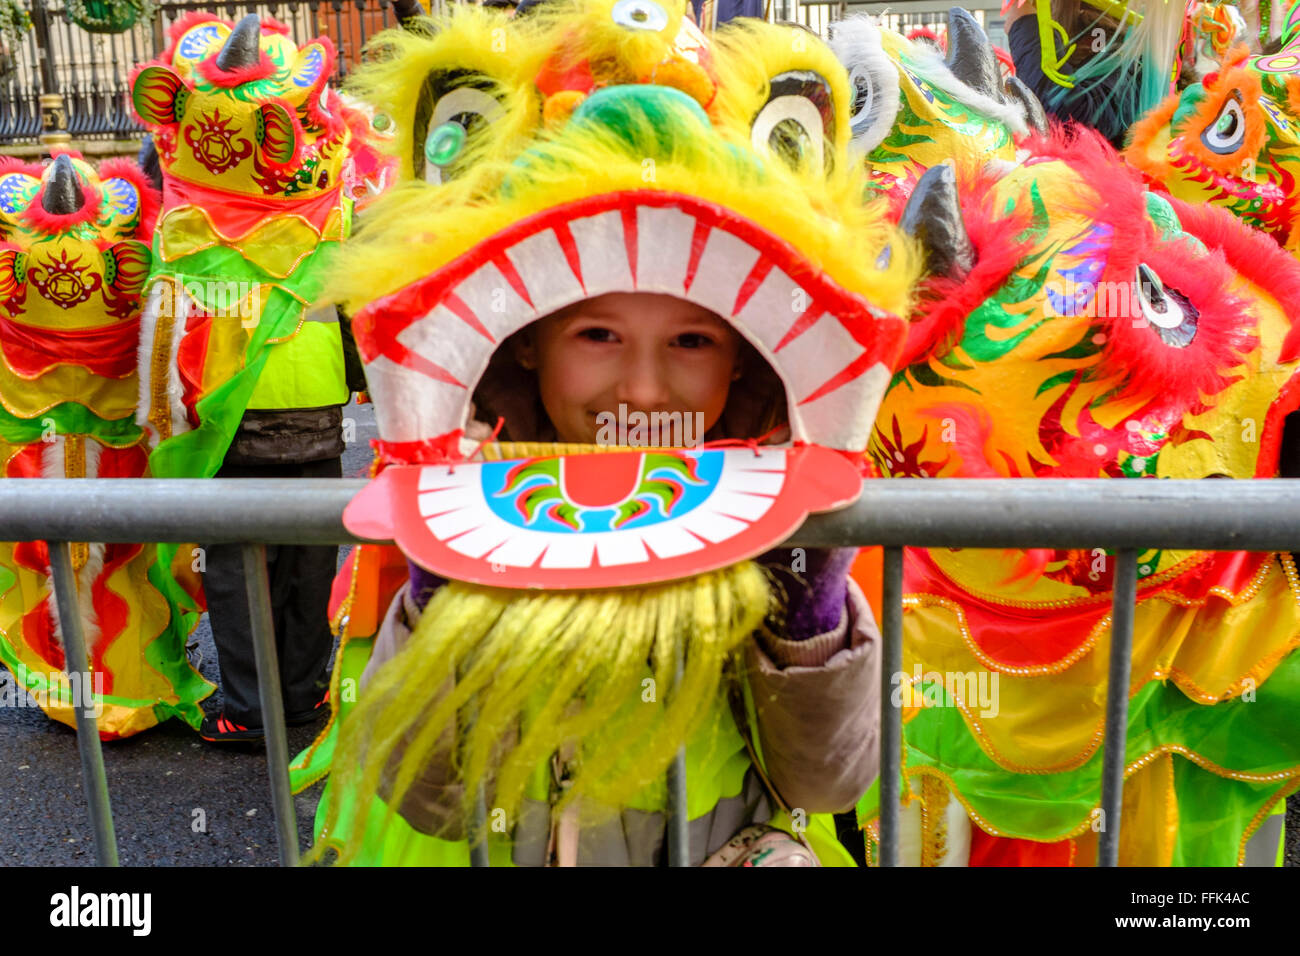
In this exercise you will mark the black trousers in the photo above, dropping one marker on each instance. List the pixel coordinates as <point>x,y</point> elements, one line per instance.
<point>300,578</point>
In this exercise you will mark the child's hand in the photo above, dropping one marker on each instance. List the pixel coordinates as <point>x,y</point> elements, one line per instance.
<point>816,582</point>
<point>423,584</point>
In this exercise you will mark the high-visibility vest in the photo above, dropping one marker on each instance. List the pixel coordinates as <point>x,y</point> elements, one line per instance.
<point>306,371</point>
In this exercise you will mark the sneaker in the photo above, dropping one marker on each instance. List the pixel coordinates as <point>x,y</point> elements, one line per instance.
<point>309,716</point>
<point>217,729</point>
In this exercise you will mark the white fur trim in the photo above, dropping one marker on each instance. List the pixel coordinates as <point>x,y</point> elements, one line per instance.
<point>91,570</point>
<point>93,449</point>
<point>856,42</point>
<point>52,458</point>
<point>929,66</point>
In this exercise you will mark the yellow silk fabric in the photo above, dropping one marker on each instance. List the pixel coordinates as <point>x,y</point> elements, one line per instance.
<point>1053,722</point>
<point>276,245</point>
<point>108,398</point>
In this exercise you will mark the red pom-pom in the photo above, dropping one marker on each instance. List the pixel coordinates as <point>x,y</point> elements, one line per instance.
<point>49,223</point>
<point>260,70</point>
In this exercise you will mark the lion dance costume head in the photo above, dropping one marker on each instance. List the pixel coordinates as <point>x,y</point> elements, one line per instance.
<point>591,148</point>
<point>1076,325</point>
<point>1233,139</point>
<point>74,259</point>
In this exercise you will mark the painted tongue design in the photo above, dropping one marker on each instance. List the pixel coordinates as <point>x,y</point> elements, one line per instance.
<point>600,481</point>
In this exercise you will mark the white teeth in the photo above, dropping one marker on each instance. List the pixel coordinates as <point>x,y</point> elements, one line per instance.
<point>722,270</point>
<point>446,340</point>
<point>758,482</point>
<point>521,551</point>
<point>750,507</point>
<point>546,274</point>
<point>570,551</point>
<point>495,303</point>
<point>665,253</point>
<point>670,540</point>
<point>712,527</point>
<point>620,549</point>
<point>447,499</point>
<point>460,334</point>
<point>602,249</point>
<point>773,308</point>
<point>480,541</point>
<point>410,405</point>
<point>813,357</point>
<point>845,416</point>
<point>454,523</point>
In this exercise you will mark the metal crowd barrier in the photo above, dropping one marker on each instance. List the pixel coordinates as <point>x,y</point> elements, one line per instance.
<point>1123,516</point>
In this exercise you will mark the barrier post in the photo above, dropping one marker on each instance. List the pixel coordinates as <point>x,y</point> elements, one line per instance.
<point>94,781</point>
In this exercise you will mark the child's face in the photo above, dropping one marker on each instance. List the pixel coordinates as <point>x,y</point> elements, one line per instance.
<point>652,353</point>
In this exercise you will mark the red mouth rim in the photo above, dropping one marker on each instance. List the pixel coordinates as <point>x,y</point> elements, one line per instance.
<point>879,332</point>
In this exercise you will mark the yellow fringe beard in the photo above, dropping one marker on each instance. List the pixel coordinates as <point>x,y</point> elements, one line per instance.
<point>539,672</point>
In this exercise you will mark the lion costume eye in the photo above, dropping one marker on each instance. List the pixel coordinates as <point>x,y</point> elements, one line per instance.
<point>1228,131</point>
<point>797,119</point>
<point>873,81</point>
<point>639,15</point>
<point>1168,311</point>
<point>460,109</point>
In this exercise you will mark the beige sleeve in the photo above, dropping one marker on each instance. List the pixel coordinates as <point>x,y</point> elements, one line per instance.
<point>818,711</point>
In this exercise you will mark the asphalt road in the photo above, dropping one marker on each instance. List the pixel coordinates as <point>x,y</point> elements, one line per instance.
<point>164,783</point>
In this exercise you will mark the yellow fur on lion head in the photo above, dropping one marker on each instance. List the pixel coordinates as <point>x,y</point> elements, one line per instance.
<point>640,134</point>
<point>470,39</point>
<point>421,226</point>
<point>752,53</point>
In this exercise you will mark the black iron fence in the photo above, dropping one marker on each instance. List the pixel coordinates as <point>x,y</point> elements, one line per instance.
<point>92,71</point>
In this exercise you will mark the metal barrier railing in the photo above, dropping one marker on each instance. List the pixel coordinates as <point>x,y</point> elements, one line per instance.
<point>1124,516</point>
<point>91,71</point>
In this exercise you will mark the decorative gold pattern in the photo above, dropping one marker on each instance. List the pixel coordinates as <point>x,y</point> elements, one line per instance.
<point>160,415</point>
<point>1103,624</point>
<point>74,466</point>
<point>934,824</point>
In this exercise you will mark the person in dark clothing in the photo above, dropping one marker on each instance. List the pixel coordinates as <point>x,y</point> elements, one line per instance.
<point>1109,104</point>
<point>280,442</point>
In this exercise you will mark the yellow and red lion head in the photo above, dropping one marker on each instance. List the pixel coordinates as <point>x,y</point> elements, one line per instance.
<point>1094,333</point>
<point>1232,140</point>
<point>73,242</point>
<point>1078,326</point>
<point>244,109</point>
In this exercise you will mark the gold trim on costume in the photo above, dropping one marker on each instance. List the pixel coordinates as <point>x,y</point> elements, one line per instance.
<point>187,230</point>
<point>160,416</point>
<point>934,826</point>
<point>923,599</point>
